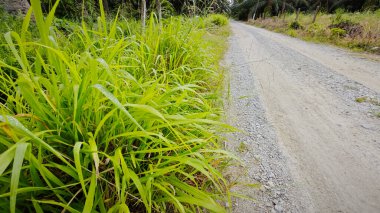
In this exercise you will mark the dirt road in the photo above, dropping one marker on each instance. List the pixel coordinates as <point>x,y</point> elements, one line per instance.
<point>310,116</point>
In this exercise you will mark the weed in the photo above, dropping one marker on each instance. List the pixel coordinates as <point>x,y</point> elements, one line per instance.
<point>242,147</point>
<point>337,32</point>
<point>369,100</point>
<point>103,118</point>
<point>291,33</point>
<point>361,99</point>
<point>316,29</point>
<point>217,20</point>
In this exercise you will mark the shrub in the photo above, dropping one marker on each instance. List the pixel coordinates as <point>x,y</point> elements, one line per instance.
<point>377,12</point>
<point>217,20</point>
<point>291,33</point>
<point>295,25</point>
<point>337,32</point>
<point>316,29</point>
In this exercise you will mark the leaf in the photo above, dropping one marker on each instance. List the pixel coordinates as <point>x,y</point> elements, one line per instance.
<point>16,169</point>
<point>16,124</point>
<point>52,202</point>
<point>8,38</point>
<point>6,158</point>
<point>94,152</point>
<point>131,174</point>
<point>37,207</point>
<point>39,17</point>
<point>114,100</point>
<point>174,200</point>
<point>88,206</point>
<point>78,165</point>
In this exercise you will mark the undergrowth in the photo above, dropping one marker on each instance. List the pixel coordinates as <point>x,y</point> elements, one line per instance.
<point>107,117</point>
<point>357,31</point>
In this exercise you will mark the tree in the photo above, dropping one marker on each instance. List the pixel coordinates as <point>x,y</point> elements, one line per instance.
<point>159,12</point>
<point>143,13</point>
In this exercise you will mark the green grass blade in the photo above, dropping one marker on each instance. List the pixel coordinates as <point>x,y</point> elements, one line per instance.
<point>16,124</point>
<point>16,169</point>
<point>55,203</point>
<point>6,158</point>
<point>115,101</point>
<point>39,17</point>
<point>88,206</point>
<point>37,207</point>
<point>78,165</point>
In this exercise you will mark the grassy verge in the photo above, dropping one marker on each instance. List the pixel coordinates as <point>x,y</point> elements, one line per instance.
<point>357,31</point>
<point>105,117</point>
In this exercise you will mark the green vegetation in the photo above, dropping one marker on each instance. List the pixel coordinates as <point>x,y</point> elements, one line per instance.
<point>131,8</point>
<point>217,19</point>
<point>361,99</point>
<point>357,31</point>
<point>252,9</point>
<point>242,147</point>
<point>295,25</point>
<point>351,24</point>
<point>106,117</point>
<point>370,100</point>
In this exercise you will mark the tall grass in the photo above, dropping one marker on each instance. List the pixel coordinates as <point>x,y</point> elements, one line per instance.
<point>103,118</point>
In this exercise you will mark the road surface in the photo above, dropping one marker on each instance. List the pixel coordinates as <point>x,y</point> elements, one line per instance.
<point>310,116</point>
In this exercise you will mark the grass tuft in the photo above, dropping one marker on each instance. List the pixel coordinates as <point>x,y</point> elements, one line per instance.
<point>97,117</point>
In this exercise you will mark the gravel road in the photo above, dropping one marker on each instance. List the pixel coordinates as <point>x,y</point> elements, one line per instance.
<point>310,121</point>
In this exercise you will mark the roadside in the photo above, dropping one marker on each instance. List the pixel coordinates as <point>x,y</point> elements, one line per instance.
<point>356,31</point>
<point>307,138</point>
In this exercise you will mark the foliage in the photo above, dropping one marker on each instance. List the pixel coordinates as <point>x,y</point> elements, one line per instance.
<point>361,35</point>
<point>217,20</point>
<point>291,32</point>
<point>103,117</point>
<point>377,12</point>
<point>71,8</point>
<point>316,29</point>
<point>337,32</point>
<point>295,25</point>
<point>244,9</point>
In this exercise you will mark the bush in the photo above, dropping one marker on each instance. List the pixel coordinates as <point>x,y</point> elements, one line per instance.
<point>217,20</point>
<point>337,32</point>
<point>377,12</point>
<point>295,25</point>
<point>291,33</point>
<point>316,30</point>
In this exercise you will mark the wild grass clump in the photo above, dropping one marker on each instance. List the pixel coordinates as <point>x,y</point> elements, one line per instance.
<point>109,118</point>
<point>217,20</point>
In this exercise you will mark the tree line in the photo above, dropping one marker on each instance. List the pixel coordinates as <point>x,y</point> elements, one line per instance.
<point>240,9</point>
<point>130,8</point>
